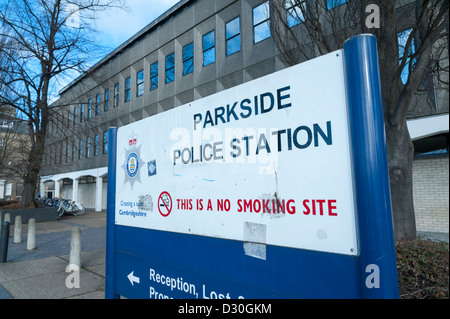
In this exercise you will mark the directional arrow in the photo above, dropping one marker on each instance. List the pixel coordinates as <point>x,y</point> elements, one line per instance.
<point>132,278</point>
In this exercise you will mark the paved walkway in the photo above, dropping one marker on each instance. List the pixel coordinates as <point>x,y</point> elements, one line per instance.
<point>41,273</point>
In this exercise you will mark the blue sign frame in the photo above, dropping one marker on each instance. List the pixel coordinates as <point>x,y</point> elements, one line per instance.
<point>144,263</point>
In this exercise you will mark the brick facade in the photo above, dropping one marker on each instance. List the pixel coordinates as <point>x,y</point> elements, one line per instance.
<point>431,194</point>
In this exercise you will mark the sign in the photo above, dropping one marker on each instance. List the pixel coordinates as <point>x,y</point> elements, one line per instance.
<point>165,204</point>
<point>257,162</point>
<point>254,190</point>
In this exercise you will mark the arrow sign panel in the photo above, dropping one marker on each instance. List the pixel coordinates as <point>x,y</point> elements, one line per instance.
<point>132,278</point>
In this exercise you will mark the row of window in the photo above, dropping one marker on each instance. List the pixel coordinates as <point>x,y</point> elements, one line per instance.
<point>261,31</point>
<point>233,45</point>
<point>90,109</point>
<point>80,149</point>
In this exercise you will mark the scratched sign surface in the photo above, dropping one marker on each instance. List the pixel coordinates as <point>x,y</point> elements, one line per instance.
<point>266,162</point>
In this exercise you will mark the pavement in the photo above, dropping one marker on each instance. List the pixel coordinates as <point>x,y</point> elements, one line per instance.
<point>41,273</point>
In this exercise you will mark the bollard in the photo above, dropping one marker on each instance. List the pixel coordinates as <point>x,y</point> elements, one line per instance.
<point>31,238</point>
<point>4,242</point>
<point>75,250</point>
<point>18,230</point>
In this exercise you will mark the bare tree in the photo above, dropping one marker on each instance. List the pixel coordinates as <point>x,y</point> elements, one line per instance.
<point>414,61</point>
<point>45,41</point>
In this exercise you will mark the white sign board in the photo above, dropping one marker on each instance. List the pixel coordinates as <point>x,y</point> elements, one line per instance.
<point>266,162</point>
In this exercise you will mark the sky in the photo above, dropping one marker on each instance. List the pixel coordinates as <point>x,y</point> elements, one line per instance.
<point>114,27</point>
<point>117,25</point>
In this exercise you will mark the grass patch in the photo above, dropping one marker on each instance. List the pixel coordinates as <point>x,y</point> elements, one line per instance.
<point>423,270</point>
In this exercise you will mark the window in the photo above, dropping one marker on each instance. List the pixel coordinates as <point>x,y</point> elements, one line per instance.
<point>75,111</point>
<point>233,36</point>
<point>81,112</point>
<point>402,42</point>
<point>67,152</point>
<point>261,22</point>
<point>188,59</point>
<point>116,95</point>
<point>170,67</point>
<point>105,142</point>
<point>334,3</point>
<point>73,151</point>
<point>97,105</point>
<point>294,12</point>
<point>80,149</point>
<point>1,143</point>
<point>88,147</point>
<point>209,48</point>
<point>106,106</point>
<point>8,189</point>
<point>154,76</point>
<point>127,89</point>
<point>96,145</point>
<point>140,83</point>
<point>90,109</point>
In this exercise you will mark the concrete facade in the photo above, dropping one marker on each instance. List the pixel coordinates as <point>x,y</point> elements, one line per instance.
<point>69,158</point>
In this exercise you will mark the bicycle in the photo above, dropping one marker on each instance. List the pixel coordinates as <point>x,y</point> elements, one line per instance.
<point>70,207</point>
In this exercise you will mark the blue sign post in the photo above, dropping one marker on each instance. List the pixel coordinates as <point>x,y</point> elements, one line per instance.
<point>110,217</point>
<point>370,167</point>
<point>150,262</point>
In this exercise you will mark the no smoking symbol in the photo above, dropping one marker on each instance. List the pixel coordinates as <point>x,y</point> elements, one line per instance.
<point>165,204</point>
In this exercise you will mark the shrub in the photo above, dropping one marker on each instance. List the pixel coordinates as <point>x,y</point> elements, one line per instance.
<point>423,270</point>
